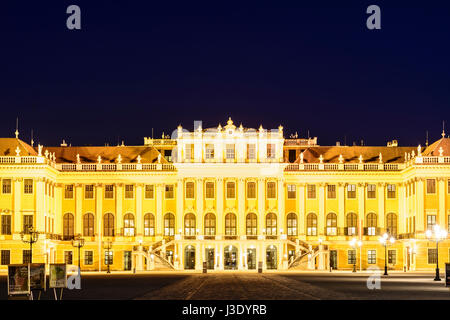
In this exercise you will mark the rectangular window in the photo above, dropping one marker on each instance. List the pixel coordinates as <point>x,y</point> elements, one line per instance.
<point>6,257</point>
<point>331,191</point>
<point>68,257</point>
<point>26,256</point>
<point>89,191</point>
<point>209,149</point>
<point>351,191</point>
<point>432,256</point>
<point>230,151</point>
<point>431,221</point>
<point>209,192</point>
<point>270,151</point>
<point>431,186</point>
<point>28,186</point>
<point>6,224</point>
<point>251,190</point>
<point>27,223</point>
<point>231,191</point>
<point>392,256</point>
<point>251,151</point>
<point>169,191</point>
<point>149,191</point>
<point>88,257</point>
<point>189,151</point>
<point>351,257</point>
<point>108,257</point>
<point>129,191</point>
<point>391,191</point>
<point>271,190</point>
<point>371,256</point>
<point>68,191</point>
<point>291,191</point>
<point>6,186</point>
<point>109,191</point>
<point>190,190</point>
<point>371,191</point>
<point>311,191</point>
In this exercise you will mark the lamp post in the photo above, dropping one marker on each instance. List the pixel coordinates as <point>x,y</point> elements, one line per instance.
<point>437,235</point>
<point>78,242</point>
<point>353,245</point>
<point>30,236</point>
<point>360,254</point>
<point>107,245</point>
<point>384,241</point>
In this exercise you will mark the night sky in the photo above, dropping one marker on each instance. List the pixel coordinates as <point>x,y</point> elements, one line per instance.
<point>138,65</point>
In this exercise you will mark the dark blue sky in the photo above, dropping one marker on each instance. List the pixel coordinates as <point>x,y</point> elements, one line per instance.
<point>138,65</point>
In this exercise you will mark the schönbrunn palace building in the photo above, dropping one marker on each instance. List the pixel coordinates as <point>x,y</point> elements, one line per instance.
<point>230,197</point>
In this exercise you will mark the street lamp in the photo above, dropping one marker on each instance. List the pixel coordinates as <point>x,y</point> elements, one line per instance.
<point>360,254</point>
<point>78,242</point>
<point>107,245</point>
<point>384,241</point>
<point>437,235</point>
<point>31,236</point>
<point>353,245</point>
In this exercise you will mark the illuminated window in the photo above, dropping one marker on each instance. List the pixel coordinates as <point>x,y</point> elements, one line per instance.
<point>68,226</point>
<point>27,223</point>
<point>189,152</point>
<point>88,225</point>
<point>190,190</point>
<point>371,191</point>
<point>68,191</point>
<point>352,222</point>
<point>149,225</point>
<point>231,191</point>
<point>89,191</point>
<point>108,225</point>
<point>26,256</point>
<point>6,224</point>
<point>189,224</point>
<point>169,191</point>
<point>251,151</point>
<point>432,256</point>
<point>291,191</point>
<point>270,151</point>
<point>331,224</point>
<point>291,222</point>
<point>351,256</point>
<point>431,186</point>
<point>251,224</point>
<point>109,191</point>
<point>311,224</point>
<point>209,192</point>
<point>371,256</point>
<point>88,257</point>
<point>230,151</point>
<point>28,186</point>
<point>311,191</point>
<point>392,256</point>
<point>68,257</point>
<point>371,224</point>
<point>431,221</point>
<point>391,224</point>
<point>351,191</point>
<point>331,191</point>
<point>271,190</point>
<point>230,224</point>
<point>129,191</point>
<point>210,224</point>
<point>6,186</point>
<point>149,191</point>
<point>251,190</point>
<point>209,151</point>
<point>6,257</point>
<point>128,223</point>
<point>391,191</point>
<point>271,224</point>
<point>169,224</point>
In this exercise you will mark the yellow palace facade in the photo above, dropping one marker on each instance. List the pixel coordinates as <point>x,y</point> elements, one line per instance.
<point>225,198</point>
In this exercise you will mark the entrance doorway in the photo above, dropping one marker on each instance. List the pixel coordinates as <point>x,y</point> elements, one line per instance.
<point>251,259</point>
<point>333,259</point>
<point>230,258</point>
<point>127,260</point>
<point>209,254</point>
<point>189,258</point>
<point>271,257</point>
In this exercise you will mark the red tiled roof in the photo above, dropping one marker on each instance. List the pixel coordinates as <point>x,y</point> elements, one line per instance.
<point>8,147</point>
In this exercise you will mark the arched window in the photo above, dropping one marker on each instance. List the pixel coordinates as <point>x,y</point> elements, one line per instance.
<point>391,224</point>
<point>88,225</point>
<point>68,231</point>
<point>210,224</point>
<point>230,224</point>
<point>128,223</point>
<point>291,222</point>
<point>169,224</point>
<point>352,223</point>
<point>251,224</point>
<point>189,224</point>
<point>371,224</point>
<point>271,224</point>
<point>108,225</point>
<point>331,224</point>
<point>149,225</point>
<point>311,224</point>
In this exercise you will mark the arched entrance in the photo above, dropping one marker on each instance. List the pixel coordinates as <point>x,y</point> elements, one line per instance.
<point>189,257</point>
<point>271,257</point>
<point>230,255</point>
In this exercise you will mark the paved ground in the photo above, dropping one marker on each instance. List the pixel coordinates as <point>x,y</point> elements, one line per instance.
<point>228,285</point>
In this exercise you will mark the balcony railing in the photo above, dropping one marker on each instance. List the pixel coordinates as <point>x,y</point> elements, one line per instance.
<point>115,167</point>
<point>345,167</point>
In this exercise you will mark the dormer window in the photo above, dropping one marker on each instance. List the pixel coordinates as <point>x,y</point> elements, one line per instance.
<point>230,151</point>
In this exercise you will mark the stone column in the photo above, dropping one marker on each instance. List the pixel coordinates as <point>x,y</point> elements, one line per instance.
<point>420,199</point>
<point>442,195</point>
<point>199,205</point>
<point>57,227</point>
<point>321,218</point>
<point>40,205</point>
<point>241,207</point>
<point>98,220</point>
<point>261,205</point>
<point>281,220</point>
<point>119,201</point>
<point>301,209</point>
<point>17,205</point>
<point>78,207</point>
<point>159,206</point>
<point>219,197</point>
<point>341,205</point>
<point>139,214</point>
<point>381,200</point>
<point>401,208</point>
<point>180,206</point>
<point>361,201</point>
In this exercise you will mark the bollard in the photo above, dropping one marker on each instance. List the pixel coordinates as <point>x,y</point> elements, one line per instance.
<point>260,266</point>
